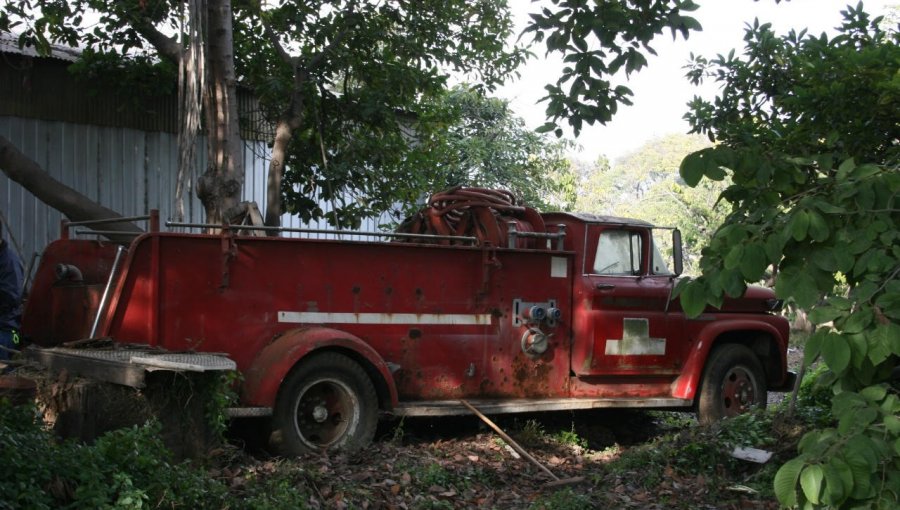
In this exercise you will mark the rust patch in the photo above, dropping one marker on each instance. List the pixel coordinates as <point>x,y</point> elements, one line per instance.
<point>531,377</point>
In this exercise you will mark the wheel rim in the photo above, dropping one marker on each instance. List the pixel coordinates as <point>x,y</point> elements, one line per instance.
<point>739,391</point>
<point>326,412</point>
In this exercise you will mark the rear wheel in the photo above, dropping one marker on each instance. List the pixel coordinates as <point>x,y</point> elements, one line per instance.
<point>327,402</point>
<point>733,382</point>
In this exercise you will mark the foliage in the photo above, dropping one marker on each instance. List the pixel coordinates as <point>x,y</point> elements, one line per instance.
<point>563,499</point>
<point>571,438</point>
<point>468,139</point>
<point>219,392</point>
<point>645,184</point>
<point>127,468</point>
<point>140,78</point>
<point>347,80</point>
<point>807,129</point>
<point>698,451</point>
<point>283,487</point>
<point>597,40</point>
<point>383,66</point>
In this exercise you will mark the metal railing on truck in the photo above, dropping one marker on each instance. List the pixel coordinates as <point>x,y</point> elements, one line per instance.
<point>555,240</point>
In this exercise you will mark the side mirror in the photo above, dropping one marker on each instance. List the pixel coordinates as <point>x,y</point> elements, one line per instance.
<point>677,253</point>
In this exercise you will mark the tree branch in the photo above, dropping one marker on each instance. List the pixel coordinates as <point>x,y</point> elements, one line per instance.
<point>317,59</point>
<point>279,48</point>
<point>168,47</point>
<point>77,207</point>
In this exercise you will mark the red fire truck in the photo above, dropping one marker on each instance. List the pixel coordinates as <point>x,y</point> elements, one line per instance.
<point>532,312</point>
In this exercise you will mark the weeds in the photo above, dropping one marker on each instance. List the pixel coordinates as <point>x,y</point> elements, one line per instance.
<point>565,499</point>
<point>571,438</point>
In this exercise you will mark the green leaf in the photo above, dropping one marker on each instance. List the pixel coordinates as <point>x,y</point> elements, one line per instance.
<point>798,284</point>
<point>862,471</point>
<point>823,314</point>
<point>774,247</point>
<point>818,228</point>
<point>888,335</point>
<point>785,483</point>
<point>836,353</point>
<point>800,225</point>
<point>892,424</point>
<point>866,170</point>
<point>844,472</point>
<point>874,393</point>
<point>692,167</point>
<point>879,343</point>
<point>859,347</point>
<point>844,169</point>
<point>732,283</point>
<point>811,479</point>
<point>734,256</point>
<point>754,262</point>
<point>840,303</point>
<point>693,299</point>
<point>833,492</point>
<point>858,321</point>
<point>813,347</point>
<point>829,208</point>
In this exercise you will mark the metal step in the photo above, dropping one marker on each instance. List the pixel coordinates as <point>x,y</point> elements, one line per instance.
<point>126,366</point>
<point>454,407</point>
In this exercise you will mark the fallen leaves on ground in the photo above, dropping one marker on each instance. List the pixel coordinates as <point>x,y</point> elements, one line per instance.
<point>477,470</point>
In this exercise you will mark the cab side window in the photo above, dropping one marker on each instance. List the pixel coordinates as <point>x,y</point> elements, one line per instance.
<point>618,253</point>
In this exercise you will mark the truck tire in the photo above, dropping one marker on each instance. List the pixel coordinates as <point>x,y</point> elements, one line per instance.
<point>733,382</point>
<point>327,402</point>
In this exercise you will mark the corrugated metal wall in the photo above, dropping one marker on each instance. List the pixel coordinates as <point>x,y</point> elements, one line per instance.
<point>127,170</point>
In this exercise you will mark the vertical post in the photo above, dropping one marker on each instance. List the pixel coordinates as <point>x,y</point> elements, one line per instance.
<point>64,229</point>
<point>154,220</point>
<point>560,236</point>
<point>511,233</point>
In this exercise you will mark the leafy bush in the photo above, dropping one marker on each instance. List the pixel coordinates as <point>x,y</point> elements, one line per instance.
<point>127,468</point>
<point>806,126</point>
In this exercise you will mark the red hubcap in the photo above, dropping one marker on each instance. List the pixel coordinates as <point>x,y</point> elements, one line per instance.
<point>739,391</point>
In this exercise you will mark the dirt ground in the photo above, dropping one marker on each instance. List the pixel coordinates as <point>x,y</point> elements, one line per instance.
<point>458,462</point>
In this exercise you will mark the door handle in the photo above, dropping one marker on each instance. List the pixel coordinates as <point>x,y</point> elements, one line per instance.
<point>605,286</point>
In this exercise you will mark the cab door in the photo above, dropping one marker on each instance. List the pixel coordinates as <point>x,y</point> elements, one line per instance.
<point>625,290</point>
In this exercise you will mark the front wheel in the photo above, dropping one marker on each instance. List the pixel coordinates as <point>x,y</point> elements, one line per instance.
<point>327,402</point>
<point>733,382</point>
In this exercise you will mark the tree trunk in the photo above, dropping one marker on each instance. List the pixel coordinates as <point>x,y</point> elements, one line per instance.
<point>219,188</point>
<point>283,132</point>
<point>77,207</point>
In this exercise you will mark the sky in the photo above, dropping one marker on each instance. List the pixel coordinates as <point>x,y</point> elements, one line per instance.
<point>660,90</point>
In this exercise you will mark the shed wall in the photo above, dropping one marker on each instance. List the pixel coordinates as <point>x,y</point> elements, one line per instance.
<point>127,170</point>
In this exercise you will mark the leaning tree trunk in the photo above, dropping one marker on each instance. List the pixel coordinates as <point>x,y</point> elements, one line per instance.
<point>219,188</point>
<point>77,207</point>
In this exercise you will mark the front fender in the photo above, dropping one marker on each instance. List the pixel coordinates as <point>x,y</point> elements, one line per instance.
<point>265,375</point>
<point>686,385</point>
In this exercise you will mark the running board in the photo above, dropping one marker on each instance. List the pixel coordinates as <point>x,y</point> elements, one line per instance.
<point>455,408</point>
